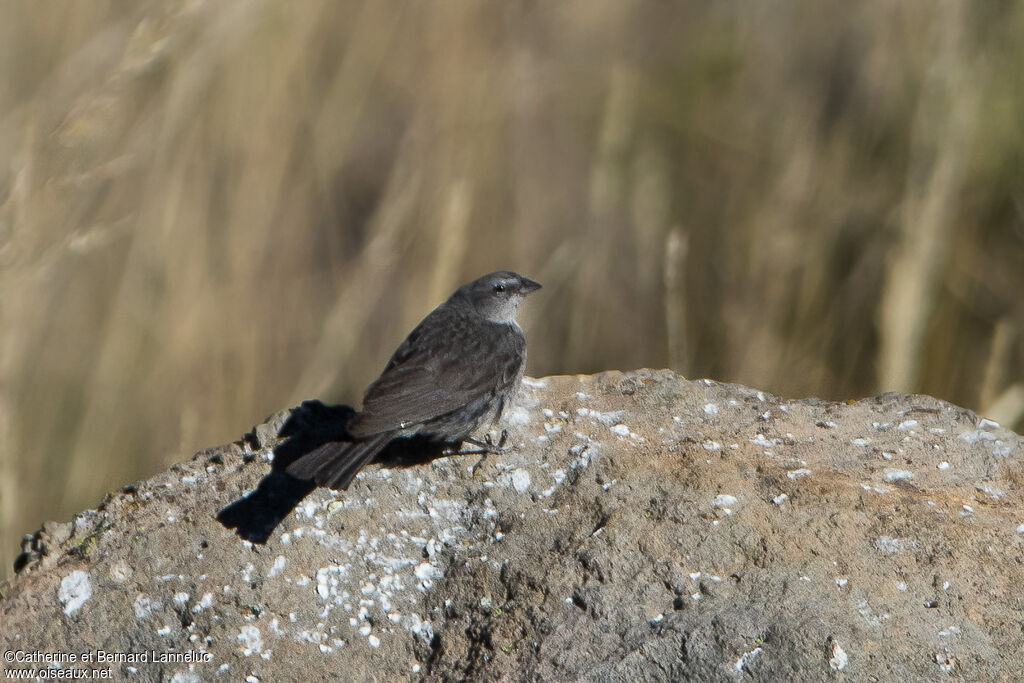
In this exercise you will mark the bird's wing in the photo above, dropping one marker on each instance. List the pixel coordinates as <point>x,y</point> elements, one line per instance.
<point>447,362</point>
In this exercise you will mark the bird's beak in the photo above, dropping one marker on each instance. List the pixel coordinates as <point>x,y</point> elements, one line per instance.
<point>528,286</point>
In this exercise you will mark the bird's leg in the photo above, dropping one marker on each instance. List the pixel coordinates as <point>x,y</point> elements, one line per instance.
<point>479,447</point>
<point>478,463</point>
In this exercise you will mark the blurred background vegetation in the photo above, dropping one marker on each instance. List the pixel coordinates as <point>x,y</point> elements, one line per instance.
<point>210,210</point>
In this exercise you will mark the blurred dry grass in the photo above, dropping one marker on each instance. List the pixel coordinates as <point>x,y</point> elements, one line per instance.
<point>213,210</point>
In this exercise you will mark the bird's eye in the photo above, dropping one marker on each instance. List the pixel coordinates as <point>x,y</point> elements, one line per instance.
<point>499,287</point>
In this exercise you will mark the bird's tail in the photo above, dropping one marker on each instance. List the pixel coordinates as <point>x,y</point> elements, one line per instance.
<point>336,463</point>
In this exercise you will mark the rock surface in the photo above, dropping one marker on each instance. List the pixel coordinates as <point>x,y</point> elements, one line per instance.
<point>645,528</point>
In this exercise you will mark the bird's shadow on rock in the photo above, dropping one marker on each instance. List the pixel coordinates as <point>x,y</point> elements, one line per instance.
<point>312,424</point>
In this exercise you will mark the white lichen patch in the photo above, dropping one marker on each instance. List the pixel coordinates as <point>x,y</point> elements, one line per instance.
<point>423,629</point>
<point>521,481</point>
<point>516,416</point>
<point>120,572</point>
<point>328,579</point>
<point>144,606</point>
<point>251,640</point>
<point>620,430</point>
<point>838,659</point>
<point>1001,449</point>
<point>426,572</point>
<point>279,564</point>
<point>582,455</point>
<point>977,436</point>
<point>724,500</point>
<point>992,490</point>
<point>607,418</point>
<point>892,546</point>
<point>308,508</point>
<point>75,589</point>
<point>764,442</point>
<point>204,603</point>
<point>864,610</point>
<point>745,659</point>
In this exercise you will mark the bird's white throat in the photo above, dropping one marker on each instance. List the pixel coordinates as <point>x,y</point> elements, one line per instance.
<point>504,313</point>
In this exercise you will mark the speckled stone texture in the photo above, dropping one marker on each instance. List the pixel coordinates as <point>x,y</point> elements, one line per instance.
<point>645,528</point>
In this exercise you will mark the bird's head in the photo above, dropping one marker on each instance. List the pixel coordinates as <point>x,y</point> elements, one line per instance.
<point>497,296</point>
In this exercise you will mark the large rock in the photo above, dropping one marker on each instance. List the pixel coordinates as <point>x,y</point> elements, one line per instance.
<point>645,528</point>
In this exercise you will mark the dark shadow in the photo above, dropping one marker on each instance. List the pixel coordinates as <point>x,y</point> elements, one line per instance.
<point>256,515</point>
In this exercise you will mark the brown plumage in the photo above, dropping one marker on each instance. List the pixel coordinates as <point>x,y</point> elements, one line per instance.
<point>455,372</point>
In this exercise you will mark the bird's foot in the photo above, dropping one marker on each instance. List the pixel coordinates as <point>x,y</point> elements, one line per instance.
<point>483,448</point>
<point>488,446</point>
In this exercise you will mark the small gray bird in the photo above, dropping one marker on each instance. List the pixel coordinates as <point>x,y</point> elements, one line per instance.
<point>455,372</point>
